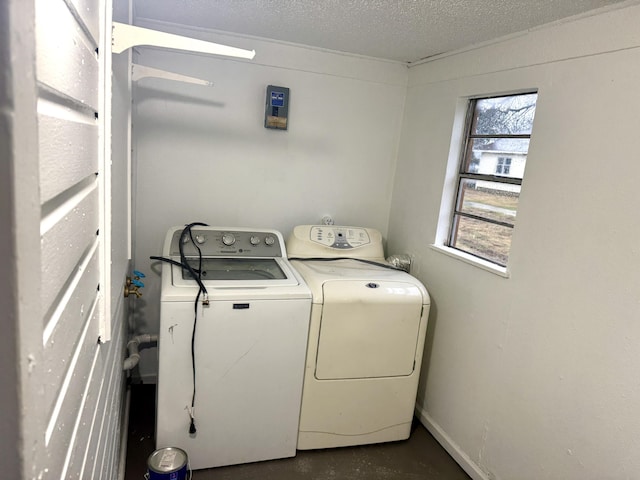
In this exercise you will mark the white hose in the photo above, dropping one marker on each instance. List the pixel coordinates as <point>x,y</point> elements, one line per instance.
<point>134,356</point>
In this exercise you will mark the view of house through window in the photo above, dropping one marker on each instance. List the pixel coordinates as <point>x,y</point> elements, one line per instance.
<point>490,176</point>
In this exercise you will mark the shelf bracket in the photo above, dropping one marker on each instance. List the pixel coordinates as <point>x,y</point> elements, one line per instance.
<point>126,36</point>
<point>142,71</point>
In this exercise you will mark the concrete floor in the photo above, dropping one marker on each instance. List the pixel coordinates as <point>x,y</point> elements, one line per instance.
<point>418,458</point>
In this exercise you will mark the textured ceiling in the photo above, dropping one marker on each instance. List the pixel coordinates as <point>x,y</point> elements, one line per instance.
<point>403,30</point>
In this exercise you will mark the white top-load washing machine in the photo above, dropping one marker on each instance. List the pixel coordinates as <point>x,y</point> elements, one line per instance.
<point>246,351</point>
<point>366,338</point>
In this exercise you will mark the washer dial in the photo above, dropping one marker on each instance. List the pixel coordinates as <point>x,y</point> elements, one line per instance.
<point>228,239</point>
<point>254,240</point>
<point>269,240</point>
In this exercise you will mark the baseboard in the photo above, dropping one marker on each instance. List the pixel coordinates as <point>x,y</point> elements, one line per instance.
<point>468,465</point>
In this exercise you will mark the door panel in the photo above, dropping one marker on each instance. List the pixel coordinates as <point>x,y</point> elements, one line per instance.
<point>81,277</point>
<point>66,58</point>
<point>368,329</point>
<point>67,237</point>
<point>62,333</point>
<point>70,137</point>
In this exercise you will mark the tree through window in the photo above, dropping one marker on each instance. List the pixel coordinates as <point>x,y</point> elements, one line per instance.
<point>490,176</point>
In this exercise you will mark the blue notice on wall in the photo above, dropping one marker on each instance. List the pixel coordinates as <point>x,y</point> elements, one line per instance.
<point>277,99</point>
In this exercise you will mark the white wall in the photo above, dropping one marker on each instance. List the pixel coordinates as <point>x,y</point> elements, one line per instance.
<point>202,153</point>
<point>536,376</point>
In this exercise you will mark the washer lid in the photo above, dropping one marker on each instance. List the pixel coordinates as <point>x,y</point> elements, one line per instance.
<point>368,329</point>
<point>236,272</point>
<point>230,269</point>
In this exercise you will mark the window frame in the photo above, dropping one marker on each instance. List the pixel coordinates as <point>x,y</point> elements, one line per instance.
<point>462,175</point>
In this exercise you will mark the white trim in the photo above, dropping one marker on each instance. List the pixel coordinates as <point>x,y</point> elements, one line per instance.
<point>461,458</point>
<point>472,260</point>
<point>21,375</point>
<point>104,169</point>
<point>129,148</point>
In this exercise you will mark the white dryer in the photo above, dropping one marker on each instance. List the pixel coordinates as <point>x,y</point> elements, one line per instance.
<point>244,358</point>
<point>366,338</point>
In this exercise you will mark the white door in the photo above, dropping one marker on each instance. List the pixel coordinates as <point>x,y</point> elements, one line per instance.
<point>67,242</point>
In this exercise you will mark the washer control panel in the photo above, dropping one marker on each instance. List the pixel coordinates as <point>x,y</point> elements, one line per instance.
<point>214,242</point>
<point>339,237</point>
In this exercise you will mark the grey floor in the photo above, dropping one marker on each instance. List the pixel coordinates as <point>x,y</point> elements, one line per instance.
<point>419,457</point>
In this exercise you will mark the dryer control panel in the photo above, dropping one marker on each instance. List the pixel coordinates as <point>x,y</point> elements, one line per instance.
<point>339,237</point>
<point>329,241</point>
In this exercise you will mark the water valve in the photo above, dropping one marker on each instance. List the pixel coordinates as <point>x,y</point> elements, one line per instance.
<point>133,285</point>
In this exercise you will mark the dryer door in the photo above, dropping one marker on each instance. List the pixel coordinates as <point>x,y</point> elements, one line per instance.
<point>368,329</point>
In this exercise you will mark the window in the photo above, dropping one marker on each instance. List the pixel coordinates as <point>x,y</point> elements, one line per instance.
<point>504,166</point>
<point>494,155</point>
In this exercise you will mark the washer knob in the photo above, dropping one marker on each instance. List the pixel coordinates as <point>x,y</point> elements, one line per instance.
<point>254,240</point>
<point>228,239</point>
<point>201,239</point>
<point>269,240</point>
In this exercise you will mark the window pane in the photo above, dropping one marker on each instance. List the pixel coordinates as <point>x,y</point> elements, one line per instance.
<point>504,157</point>
<point>495,155</point>
<point>493,200</point>
<point>483,239</point>
<point>504,115</point>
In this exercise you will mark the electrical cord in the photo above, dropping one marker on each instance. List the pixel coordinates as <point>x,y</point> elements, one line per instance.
<point>192,426</point>
<point>362,260</point>
<point>197,276</point>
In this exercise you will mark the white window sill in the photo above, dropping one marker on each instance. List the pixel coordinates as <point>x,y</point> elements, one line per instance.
<point>472,260</point>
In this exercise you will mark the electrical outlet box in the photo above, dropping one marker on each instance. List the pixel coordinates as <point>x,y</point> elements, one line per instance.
<point>276,110</point>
